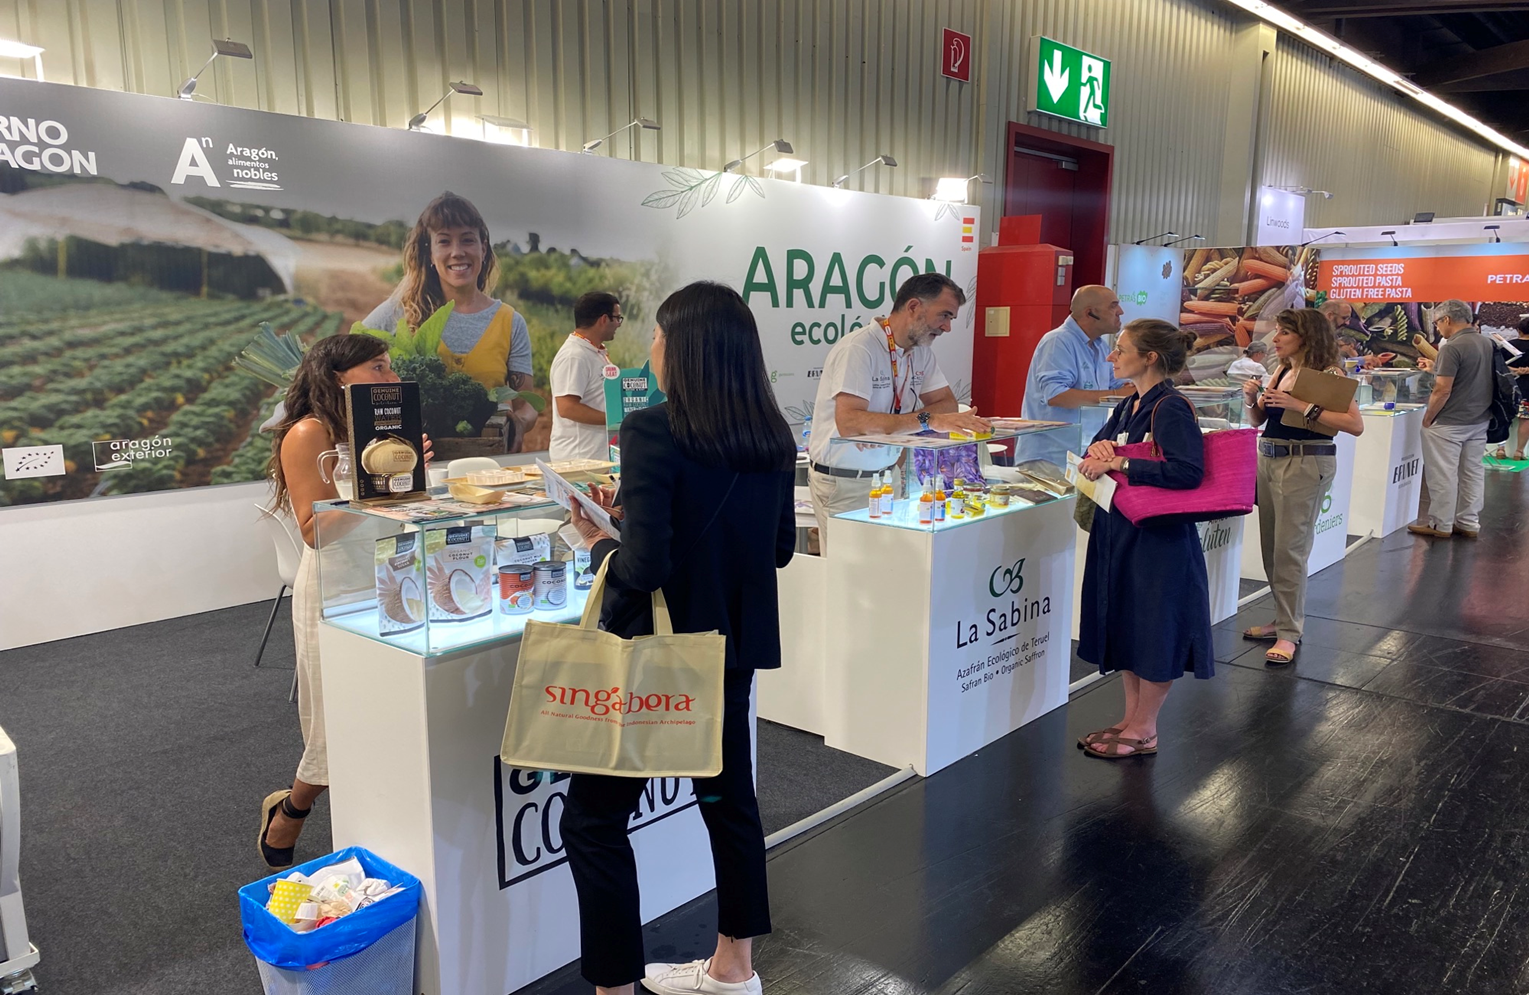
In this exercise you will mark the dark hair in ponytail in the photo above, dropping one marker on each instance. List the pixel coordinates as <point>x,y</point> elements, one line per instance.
<point>1152,335</point>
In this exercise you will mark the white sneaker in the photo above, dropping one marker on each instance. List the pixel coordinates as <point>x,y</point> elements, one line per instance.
<point>670,979</point>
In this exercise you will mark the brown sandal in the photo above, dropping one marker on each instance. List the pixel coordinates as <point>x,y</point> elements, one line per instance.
<point>1089,738</point>
<point>1109,748</point>
<point>1257,634</point>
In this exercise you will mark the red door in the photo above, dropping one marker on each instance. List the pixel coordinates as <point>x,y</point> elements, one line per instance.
<point>1043,185</point>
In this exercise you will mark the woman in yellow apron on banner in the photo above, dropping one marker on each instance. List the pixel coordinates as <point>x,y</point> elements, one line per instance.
<point>448,258</point>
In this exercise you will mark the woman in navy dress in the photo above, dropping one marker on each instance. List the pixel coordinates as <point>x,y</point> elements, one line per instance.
<point>1145,609</point>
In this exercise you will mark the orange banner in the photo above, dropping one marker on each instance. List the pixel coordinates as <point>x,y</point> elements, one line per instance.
<point>1426,278</point>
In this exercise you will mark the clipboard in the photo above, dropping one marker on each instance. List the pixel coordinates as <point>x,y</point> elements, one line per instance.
<point>1329,391</point>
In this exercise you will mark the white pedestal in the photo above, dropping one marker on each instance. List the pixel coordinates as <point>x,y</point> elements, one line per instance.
<point>415,776</point>
<point>1222,546</point>
<point>1332,522</point>
<point>794,694</point>
<point>1389,471</point>
<point>939,643</point>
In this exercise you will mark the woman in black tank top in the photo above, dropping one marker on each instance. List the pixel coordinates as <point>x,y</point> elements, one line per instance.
<point>1296,468</point>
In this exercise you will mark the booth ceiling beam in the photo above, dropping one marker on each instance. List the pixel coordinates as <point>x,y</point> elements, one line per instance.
<point>1321,9</point>
<point>1475,65</point>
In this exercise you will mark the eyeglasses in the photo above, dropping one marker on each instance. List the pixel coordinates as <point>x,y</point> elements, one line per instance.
<point>618,319</point>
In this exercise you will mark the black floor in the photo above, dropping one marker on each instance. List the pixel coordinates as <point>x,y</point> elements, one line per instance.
<point>144,754</point>
<point>1353,823</point>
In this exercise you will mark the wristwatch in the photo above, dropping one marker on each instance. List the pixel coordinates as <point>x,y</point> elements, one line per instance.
<point>1312,412</point>
<point>924,419</point>
<point>1126,464</point>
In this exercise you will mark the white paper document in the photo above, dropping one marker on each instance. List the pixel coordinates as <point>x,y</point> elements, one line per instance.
<point>562,492</point>
<point>1098,491</point>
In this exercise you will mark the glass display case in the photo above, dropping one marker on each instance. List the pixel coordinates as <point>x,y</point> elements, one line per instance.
<point>1399,386</point>
<point>440,575</point>
<point>1215,407</point>
<point>933,482</point>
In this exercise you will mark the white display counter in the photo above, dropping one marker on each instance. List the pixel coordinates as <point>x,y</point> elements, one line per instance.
<point>1332,526</point>
<point>1389,469</point>
<point>944,641</point>
<point>415,776</point>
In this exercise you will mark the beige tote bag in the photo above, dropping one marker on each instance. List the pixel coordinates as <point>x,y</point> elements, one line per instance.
<point>591,702</point>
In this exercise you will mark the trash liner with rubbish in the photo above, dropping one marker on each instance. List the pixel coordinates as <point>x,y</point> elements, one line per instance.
<point>344,923</point>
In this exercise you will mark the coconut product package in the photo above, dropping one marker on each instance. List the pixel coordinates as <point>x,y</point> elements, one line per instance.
<point>459,571</point>
<point>400,584</point>
<point>387,441</point>
<point>522,549</point>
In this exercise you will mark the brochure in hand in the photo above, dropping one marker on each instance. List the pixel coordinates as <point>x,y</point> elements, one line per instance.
<point>387,440</point>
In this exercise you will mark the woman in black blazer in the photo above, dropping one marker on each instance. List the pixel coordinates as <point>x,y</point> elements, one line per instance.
<point>707,515</point>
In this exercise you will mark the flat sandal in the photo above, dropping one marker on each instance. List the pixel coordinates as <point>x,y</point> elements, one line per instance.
<point>1252,633</point>
<point>1112,750</point>
<point>1089,738</point>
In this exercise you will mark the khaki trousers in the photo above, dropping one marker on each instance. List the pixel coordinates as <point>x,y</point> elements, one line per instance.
<point>1290,491</point>
<point>833,495</point>
<point>1453,458</point>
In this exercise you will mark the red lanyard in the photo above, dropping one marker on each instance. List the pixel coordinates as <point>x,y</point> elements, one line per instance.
<point>892,356</point>
<point>599,347</point>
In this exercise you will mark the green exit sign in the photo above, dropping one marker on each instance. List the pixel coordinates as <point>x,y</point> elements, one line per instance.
<point>1069,83</point>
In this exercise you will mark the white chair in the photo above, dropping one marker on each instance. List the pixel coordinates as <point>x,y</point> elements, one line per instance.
<point>460,466</point>
<point>17,953</point>
<point>289,553</point>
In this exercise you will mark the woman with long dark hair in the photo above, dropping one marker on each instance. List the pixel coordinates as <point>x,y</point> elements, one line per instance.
<point>448,257</point>
<point>707,516</point>
<point>313,422</point>
<point>1296,466</point>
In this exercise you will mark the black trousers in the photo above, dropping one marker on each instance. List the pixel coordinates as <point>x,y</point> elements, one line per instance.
<point>595,817</point>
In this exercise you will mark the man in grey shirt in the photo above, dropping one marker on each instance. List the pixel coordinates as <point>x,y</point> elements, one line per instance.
<point>1455,426</point>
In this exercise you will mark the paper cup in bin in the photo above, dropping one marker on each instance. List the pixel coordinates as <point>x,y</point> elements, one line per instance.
<point>338,957</point>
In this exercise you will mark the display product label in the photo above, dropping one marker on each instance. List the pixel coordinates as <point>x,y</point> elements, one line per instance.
<point>1407,277</point>
<point>1068,82</point>
<point>956,55</point>
<point>528,806</point>
<point>387,439</point>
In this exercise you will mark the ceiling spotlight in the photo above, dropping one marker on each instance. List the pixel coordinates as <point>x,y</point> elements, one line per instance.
<point>508,131</point>
<point>1187,237</point>
<point>417,123</point>
<point>1321,238</point>
<point>785,164</point>
<point>781,145</point>
<point>647,124</point>
<point>1172,235</point>
<point>954,188</point>
<point>21,50</point>
<point>1494,230</point>
<point>221,46</point>
<point>884,160</point>
<point>1393,236</point>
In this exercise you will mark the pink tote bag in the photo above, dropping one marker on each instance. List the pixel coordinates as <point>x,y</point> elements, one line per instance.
<point>1226,489</point>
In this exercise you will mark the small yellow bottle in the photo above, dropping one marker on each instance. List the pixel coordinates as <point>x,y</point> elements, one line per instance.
<point>926,505</point>
<point>874,500</point>
<point>957,505</point>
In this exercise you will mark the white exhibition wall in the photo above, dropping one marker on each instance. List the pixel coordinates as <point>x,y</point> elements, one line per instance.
<point>72,568</point>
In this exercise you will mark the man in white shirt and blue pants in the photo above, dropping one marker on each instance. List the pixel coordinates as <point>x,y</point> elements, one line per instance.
<point>882,378</point>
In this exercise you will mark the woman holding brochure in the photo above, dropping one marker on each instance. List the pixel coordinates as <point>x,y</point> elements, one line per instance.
<point>1296,466</point>
<point>1145,609</point>
<point>708,516</point>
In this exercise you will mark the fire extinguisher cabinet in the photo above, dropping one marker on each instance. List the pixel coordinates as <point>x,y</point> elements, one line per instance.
<point>1023,293</point>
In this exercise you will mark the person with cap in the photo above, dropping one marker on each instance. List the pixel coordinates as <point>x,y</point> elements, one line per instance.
<point>1251,363</point>
<point>1455,426</point>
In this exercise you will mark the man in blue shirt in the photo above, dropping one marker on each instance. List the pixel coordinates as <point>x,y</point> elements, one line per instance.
<point>1069,370</point>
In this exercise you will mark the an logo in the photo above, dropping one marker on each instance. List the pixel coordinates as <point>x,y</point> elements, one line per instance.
<point>26,143</point>
<point>528,807</point>
<point>1006,580</point>
<point>33,461</point>
<point>252,168</point>
<point>115,454</point>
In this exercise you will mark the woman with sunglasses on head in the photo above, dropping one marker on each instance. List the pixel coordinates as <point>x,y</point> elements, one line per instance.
<point>707,516</point>
<point>1145,608</point>
<point>1296,467</point>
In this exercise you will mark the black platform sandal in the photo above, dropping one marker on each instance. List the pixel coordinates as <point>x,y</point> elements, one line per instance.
<point>277,858</point>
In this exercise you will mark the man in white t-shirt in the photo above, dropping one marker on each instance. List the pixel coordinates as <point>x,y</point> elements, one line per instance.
<point>579,380</point>
<point>882,378</point>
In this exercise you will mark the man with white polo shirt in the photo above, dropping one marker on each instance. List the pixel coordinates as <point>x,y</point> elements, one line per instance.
<point>882,378</point>
<point>578,378</point>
